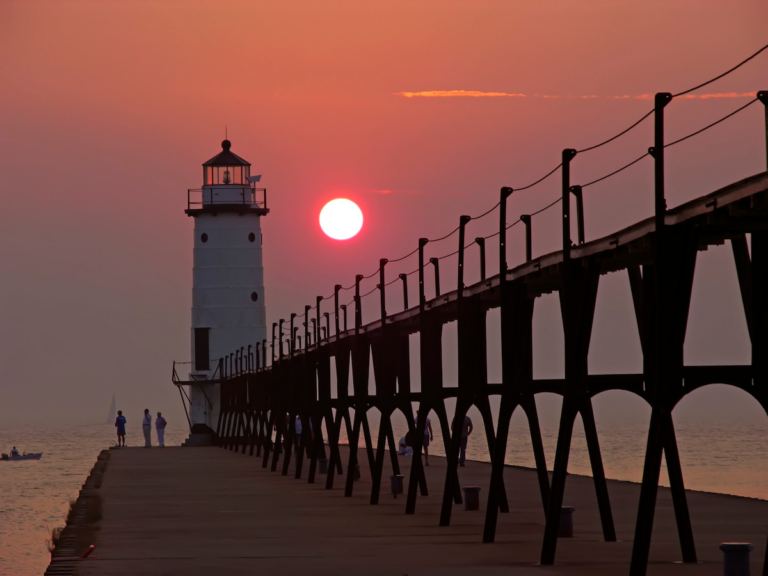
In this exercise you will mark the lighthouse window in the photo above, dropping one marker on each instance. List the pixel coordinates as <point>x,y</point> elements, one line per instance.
<point>254,296</point>
<point>252,237</point>
<point>204,238</point>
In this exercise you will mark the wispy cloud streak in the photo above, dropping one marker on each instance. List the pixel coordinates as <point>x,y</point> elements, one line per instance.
<point>479,94</point>
<point>458,94</point>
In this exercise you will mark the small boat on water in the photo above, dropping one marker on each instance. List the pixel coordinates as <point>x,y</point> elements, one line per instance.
<point>32,456</point>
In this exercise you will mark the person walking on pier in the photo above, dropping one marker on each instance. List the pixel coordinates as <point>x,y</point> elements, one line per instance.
<point>160,427</point>
<point>146,424</point>
<point>120,425</point>
<point>427,436</point>
<point>466,430</point>
<point>297,432</point>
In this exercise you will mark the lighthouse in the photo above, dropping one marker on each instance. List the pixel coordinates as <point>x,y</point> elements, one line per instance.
<point>228,304</point>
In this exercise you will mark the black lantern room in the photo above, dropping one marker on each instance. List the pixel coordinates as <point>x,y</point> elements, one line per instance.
<point>226,168</point>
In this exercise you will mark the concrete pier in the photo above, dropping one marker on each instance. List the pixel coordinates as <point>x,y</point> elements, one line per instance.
<point>198,511</point>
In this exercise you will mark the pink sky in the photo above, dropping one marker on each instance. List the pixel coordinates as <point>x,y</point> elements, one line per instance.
<point>107,111</point>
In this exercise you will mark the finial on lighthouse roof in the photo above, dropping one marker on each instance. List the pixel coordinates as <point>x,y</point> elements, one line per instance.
<point>226,145</point>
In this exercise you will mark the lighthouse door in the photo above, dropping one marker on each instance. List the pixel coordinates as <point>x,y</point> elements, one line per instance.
<point>202,357</point>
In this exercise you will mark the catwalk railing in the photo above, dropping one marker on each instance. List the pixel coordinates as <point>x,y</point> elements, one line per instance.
<point>261,399</point>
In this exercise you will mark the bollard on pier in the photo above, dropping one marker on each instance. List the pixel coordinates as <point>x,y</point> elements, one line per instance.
<point>471,497</point>
<point>736,558</point>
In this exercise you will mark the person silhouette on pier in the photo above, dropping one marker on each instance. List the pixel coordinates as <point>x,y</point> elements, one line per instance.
<point>146,425</point>
<point>160,427</point>
<point>427,436</point>
<point>120,425</point>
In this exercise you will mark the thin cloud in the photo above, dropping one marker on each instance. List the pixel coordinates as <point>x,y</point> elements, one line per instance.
<point>375,191</point>
<point>478,94</point>
<point>458,94</point>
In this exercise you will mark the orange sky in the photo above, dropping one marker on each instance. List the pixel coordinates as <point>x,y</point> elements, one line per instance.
<point>107,110</point>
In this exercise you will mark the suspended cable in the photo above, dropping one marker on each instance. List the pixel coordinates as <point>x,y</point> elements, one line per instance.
<point>691,135</point>
<point>404,257</point>
<point>617,135</point>
<point>635,161</point>
<point>711,125</point>
<point>446,236</point>
<point>547,207</point>
<point>739,65</point>
<point>547,175</point>
<point>486,213</point>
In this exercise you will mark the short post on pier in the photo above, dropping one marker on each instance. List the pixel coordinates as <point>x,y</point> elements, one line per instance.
<point>736,558</point>
<point>471,498</point>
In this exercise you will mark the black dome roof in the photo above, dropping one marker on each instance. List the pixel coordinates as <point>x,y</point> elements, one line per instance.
<point>226,158</point>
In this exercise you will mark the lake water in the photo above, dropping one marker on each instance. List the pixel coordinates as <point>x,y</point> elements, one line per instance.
<point>728,457</point>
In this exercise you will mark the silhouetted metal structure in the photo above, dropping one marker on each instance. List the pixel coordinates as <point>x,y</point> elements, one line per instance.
<point>659,257</point>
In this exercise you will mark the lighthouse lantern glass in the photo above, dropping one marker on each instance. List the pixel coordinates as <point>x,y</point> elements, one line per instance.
<point>224,175</point>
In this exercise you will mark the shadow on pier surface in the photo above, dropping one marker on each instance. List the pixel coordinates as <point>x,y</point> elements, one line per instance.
<point>198,511</point>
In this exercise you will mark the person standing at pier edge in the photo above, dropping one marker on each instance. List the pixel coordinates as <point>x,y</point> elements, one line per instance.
<point>427,436</point>
<point>146,424</point>
<point>466,430</point>
<point>120,425</point>
<point>297,435</point>
<point>160,427</point>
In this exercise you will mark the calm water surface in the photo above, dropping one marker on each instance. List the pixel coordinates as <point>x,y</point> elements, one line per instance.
<point>729,458</point>
<point>34,494</point>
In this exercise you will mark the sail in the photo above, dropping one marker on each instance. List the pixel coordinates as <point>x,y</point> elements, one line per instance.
<point>111,415</point>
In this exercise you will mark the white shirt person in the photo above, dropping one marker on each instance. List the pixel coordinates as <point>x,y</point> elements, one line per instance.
<point>146,426</point>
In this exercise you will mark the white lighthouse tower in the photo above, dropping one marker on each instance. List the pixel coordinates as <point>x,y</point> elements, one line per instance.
<point>228,304</point>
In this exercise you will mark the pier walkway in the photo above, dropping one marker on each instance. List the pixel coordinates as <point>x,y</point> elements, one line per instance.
<point>196,511</point>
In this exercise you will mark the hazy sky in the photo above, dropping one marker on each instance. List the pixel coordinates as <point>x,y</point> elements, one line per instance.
<point>108,109</point>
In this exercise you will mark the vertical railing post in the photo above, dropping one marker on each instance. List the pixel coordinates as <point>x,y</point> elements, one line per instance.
<point>762,95</point>
<point>280,336</point>
<point>422,297</point>
<point>570,402</point>
<point>757,267</point>
<point>382,290</point>
<point>436,263</point>
<point>657,152</point>
<point>336,306</point>
<point>344,309</point>
<point>292,335</point>
<point>568,155</point>
<point>258,356</point>
<point>248,359</point>
<point>314,330</point>
<point>264,353</point>
<point>358,305</point>
<point>481,244</point>
<point>404,278</point>
<point>463,221</point>
<point>576,191</point>
<point>317,319</point>
<point>505,193</point>
<point>656,434</point>
<point>327,324</point>
<point>274,327</point>
<point>307,308</point>
<point>526,219</point>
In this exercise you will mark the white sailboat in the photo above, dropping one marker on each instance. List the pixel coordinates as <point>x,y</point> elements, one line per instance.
<point>112,412</point>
